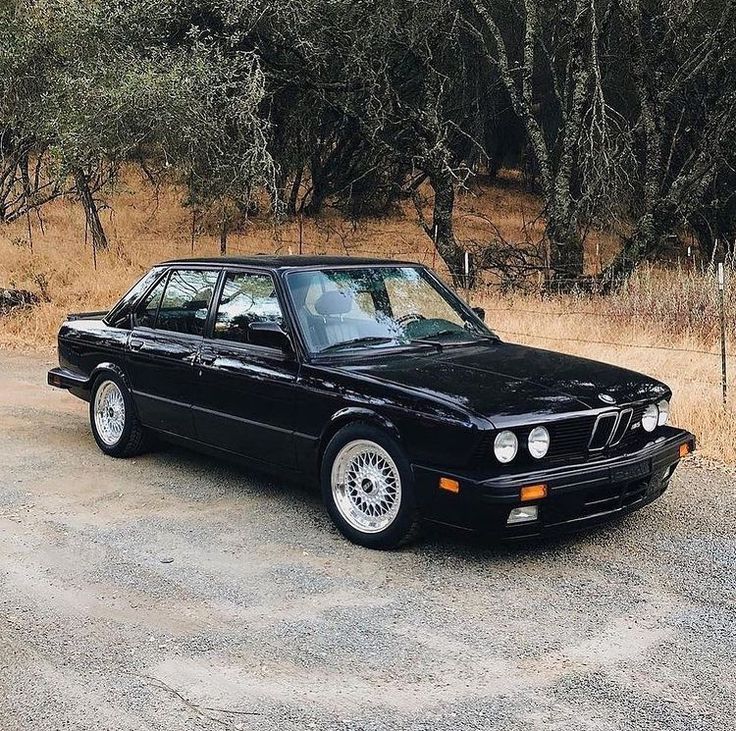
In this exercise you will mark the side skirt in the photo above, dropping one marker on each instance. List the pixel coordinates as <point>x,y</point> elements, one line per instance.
<point>291,474</point>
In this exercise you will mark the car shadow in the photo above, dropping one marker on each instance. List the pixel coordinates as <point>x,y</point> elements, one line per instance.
<point>233,476</point>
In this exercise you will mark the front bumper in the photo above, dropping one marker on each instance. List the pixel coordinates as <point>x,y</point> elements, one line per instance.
<point>578,496</point>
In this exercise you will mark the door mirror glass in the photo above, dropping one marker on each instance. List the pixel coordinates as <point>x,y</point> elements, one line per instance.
<point>480,312</point>
<point>269,335</point>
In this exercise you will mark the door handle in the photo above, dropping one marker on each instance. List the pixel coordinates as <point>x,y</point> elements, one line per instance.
<point>136,344</point>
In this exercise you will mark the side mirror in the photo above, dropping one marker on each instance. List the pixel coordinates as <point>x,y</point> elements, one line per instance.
<point>269,334</point>
<point>480,312</point>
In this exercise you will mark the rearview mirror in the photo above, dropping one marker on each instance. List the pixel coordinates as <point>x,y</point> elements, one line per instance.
<point>269,334</point>
<point>480,312</point>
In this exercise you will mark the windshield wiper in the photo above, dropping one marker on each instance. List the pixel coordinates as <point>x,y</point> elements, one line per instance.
<point>437,339</point>
<point>369,340</point>
<point>442,333</point>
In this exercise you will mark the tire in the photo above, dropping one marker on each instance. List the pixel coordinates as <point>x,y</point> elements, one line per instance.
<point>118,432</point>
<point>380,510</point>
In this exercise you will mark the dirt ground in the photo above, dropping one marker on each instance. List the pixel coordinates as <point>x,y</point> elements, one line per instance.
<point>173,591</point>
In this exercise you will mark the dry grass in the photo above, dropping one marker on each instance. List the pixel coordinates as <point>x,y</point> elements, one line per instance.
<point>596,329</point>
<point>676,308</point>
<point>144,228</point>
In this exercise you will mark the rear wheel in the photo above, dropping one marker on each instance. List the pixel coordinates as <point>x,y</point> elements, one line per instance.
<point>115,426</point>
<point>368,487</point>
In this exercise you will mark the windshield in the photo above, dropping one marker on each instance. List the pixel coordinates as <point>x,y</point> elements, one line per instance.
<point>378,306</point>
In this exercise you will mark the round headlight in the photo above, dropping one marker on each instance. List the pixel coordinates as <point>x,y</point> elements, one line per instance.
<point>505,446</point>
<point>664,411</point>
<point>538,442</point>
<point>650,417</point>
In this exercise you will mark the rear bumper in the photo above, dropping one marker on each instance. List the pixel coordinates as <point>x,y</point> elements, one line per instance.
<point>73,381</point>
<point>578,496</point>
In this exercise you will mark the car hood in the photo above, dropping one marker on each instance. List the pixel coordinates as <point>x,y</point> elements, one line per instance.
<point>503,382</point>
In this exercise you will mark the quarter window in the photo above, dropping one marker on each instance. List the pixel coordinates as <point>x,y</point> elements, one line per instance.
<point>186,301</point>
<point>246,298</point>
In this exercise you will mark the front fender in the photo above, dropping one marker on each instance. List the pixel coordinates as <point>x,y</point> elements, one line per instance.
<point>351,414</point>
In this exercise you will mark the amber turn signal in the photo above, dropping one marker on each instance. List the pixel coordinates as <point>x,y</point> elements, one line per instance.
<point>447,483</point>
<point>684,450</point>
<point>533,492</point>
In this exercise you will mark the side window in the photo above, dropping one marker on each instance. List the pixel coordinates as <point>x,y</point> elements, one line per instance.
<point>186,300</point>
<point>117,315</point>
<point>145,315</point>
<point>246,298</point>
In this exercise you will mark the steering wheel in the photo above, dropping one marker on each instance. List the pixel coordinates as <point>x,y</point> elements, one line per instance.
<point>410,317</point>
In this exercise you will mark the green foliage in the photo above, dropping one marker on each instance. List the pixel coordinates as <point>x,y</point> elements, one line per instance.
<point>621,112</point>
<point>99,83</point>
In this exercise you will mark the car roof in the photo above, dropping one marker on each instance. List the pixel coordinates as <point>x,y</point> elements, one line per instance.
<point>290,262</point>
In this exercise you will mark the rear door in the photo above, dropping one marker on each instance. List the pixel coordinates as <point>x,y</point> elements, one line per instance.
<point>246,395</point>
<point>167,333</point>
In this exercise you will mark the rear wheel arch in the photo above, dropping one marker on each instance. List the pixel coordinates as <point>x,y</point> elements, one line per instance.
<point>108,367</point>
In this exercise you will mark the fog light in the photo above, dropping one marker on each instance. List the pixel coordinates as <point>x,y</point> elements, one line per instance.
<point>523,515</point>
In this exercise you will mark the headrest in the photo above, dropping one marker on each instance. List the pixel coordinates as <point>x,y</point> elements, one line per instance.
<point>333,302</point>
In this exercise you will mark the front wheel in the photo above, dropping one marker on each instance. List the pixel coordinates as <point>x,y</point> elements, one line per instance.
<point>368,487</point>
<point>115,426</point>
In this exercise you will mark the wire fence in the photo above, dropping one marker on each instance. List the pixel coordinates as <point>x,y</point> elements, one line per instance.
<point>719,326</point>
<point>427,255</point>
<point>339,242</point>
<point>614,343</point>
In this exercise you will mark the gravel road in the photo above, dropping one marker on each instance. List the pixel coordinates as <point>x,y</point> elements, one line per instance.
<point>173,591</point>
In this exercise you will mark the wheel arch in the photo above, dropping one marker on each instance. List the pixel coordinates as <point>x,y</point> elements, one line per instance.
<point>111,367</point>
<point>354,415</point>
<point>108,367</point>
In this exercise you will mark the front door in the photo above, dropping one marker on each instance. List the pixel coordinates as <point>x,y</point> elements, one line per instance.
<point>162,347</point>
<point>244,400</point>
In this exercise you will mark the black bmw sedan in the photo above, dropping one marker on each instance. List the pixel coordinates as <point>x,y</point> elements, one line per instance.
<point>376,380</point>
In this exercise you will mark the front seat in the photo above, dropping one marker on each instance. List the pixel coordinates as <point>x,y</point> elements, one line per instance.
<point>332,306</point>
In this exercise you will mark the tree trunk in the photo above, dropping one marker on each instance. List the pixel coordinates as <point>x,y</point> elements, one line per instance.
<point>650,233</point>
<point>318,182</point>
<point>294,195</point>
<point>443,230</point>
<point>223,236</point>
<point>566,248</point>
<point>99,240</point>
<point>566,253</point>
